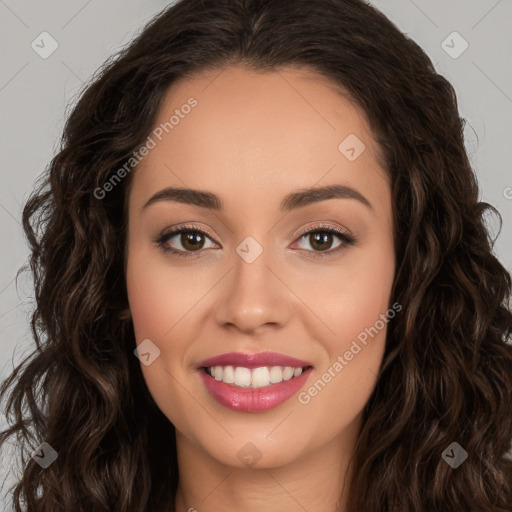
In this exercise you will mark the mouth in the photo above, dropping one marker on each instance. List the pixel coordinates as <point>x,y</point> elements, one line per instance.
<point>254,378</point>
<point>253,389</point>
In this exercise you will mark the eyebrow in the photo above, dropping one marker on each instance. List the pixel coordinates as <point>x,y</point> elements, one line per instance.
<point>292,201</point>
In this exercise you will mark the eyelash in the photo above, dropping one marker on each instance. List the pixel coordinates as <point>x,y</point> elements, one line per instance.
<point>345,237</point>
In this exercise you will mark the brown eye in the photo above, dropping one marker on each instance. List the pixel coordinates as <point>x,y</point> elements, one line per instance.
<point>321,240</point>
<point>192,240</point>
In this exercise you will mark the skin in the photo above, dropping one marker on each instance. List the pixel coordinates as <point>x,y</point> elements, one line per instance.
<point>252,139</point>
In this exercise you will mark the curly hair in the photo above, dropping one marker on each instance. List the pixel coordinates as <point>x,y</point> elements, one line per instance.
<point>446,375</point>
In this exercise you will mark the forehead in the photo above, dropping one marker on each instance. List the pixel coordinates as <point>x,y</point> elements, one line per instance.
<point>254,135</point>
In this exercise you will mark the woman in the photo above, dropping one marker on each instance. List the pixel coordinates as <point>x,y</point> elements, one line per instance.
<point>263,279</point>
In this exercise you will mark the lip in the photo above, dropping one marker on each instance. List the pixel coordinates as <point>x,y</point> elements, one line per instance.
<point>253,399</point>
<point>252,360</point>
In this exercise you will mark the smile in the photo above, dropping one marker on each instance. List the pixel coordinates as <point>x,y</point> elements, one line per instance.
<point>247,397</point>
<point>254,378</point>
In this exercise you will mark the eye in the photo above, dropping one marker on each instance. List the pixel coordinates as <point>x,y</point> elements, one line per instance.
<point>192,240</point>
<point>320,238</point>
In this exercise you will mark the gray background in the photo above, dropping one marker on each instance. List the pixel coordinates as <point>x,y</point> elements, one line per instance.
<point>34,93</point>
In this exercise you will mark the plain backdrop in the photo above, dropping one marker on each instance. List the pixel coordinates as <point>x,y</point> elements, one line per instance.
<point>35,91</point>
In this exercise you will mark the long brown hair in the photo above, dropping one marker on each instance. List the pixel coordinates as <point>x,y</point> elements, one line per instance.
<point>447,371</point>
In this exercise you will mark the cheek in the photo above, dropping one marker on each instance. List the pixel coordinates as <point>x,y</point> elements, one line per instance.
<point>353,333</point>
<point>156,298</point>
<point>348,297</point>
<point>157,304</point>
<point>145,307</point>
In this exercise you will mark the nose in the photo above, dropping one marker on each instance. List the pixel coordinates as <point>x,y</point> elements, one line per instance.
<point>253,296</point>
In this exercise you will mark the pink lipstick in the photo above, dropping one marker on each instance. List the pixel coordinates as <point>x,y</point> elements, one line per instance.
<point>253,382</point>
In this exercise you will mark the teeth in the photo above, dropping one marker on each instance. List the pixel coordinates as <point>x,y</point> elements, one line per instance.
<point>276,374</point>
<point>256,377</point>
<point>288,373</point>
<point>228,374</point>
<point>242,376</point>
<point>260,377</point>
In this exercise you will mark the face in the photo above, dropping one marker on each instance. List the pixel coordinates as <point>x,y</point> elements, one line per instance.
<point>260,269</point>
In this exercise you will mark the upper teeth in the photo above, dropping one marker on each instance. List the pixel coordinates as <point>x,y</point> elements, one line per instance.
<point>256,377</point>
